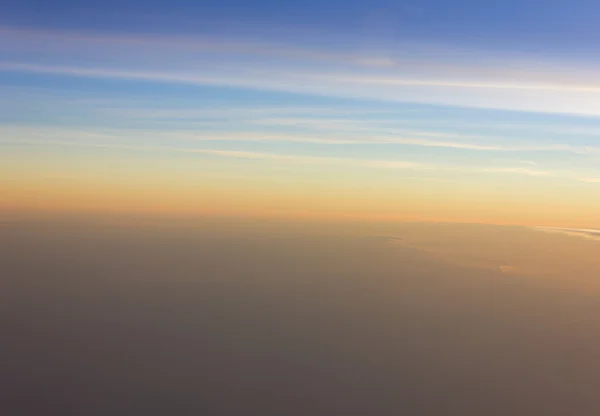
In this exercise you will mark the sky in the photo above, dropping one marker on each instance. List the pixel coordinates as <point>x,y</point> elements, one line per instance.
<point>458,111</point>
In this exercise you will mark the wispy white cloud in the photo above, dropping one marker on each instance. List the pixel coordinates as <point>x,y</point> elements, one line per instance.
<point>135,75</point>
<point>398,81</point>
<point>549,98</point>
<point>41,40</point>
<point>329,138</point>
<point>384,164</point>
<point>400,139</point>
<point>466,80</point>
<point>521,171</point>
<point>589,234</point>
<point>280,115</point>
<point>590,180</point>
<point>302,159</point>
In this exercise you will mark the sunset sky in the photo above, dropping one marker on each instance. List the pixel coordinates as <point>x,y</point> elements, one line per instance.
<point>431,110</point>
<point>300,207</point>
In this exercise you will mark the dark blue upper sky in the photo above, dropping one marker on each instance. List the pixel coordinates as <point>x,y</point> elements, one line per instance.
<point>529,25</point>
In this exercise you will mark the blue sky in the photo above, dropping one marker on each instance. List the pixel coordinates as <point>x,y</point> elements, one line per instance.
<point>508,91</point>
<point>531,23</point>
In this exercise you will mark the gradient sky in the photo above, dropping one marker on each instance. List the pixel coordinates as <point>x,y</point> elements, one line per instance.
<point>429,110</point>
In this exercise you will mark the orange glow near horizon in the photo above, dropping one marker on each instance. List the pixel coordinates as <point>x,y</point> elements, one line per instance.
<point>289,202</point>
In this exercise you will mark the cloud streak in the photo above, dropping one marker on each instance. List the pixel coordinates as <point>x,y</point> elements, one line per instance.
<point>301,159</point>
<point>441,78</point>
<point>589,234</point>
<point>384,164</point>
<point>328,138</point>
